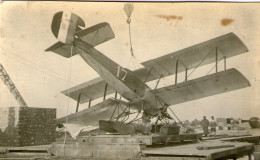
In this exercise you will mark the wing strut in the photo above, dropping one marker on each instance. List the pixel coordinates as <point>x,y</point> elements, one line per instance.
<point>77,108</point>
<point>176,70</point>
<point>105,92</point>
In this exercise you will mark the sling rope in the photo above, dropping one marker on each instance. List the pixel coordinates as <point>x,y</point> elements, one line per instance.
<point>65,136</point>
<point>128,8</point>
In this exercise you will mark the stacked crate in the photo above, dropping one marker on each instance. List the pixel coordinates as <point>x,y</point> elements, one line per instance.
<point>24,126</point>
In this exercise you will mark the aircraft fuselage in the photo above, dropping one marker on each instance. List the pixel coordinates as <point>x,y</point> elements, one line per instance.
<point>121,79</point>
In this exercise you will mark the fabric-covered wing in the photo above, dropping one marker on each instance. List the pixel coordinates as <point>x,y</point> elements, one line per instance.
<point>227,45</point>
<point>91,116</point>
<point>92,89</point>
<point>213,84</point>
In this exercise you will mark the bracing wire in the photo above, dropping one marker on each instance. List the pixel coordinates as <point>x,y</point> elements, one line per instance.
<point>200,63</point>
<point>65,136</point>
<point>36,67</point>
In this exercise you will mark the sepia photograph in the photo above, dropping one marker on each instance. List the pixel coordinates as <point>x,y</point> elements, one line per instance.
<point>129,80</point>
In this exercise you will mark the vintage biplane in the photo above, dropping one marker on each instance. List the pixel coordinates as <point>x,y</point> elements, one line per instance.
<point>74,39</point>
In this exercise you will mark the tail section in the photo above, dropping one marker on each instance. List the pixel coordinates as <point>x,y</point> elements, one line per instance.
<point>65,25</point>
<point>66,28</point>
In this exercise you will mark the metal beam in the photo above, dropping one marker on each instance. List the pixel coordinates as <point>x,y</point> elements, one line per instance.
<point>12,88</point>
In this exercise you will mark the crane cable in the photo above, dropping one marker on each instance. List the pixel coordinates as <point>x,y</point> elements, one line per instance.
<point>130,37</point>
<point>128,8</point>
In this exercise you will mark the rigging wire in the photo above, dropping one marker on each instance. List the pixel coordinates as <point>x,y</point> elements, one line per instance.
<point>200,63</point>
<point>65,136</point>
<point>214,66</point>
<point>36,67</point>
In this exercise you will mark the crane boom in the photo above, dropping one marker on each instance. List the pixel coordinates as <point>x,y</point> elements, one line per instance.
<point>14,91</point>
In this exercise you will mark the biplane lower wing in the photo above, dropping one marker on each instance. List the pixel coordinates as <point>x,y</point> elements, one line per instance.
<point>95,88</point>
<point>91,116</point>
<point>89,90</point>
<point>213,84</point>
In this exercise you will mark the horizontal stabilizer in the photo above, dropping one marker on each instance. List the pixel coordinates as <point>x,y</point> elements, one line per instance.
<point>210,85</point>
<point>92,89</point>
<point>61,49</point>
<point>91,115</point>
<point>96,34</point>
<point>93,36</point>
<point>227,45</point>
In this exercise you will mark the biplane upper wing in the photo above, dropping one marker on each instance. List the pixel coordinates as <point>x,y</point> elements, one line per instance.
<point>201,87</point>
<point>89,90</point>
<point>226,45</point>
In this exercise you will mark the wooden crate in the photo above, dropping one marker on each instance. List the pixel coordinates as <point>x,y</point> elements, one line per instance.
<point>24,126</point>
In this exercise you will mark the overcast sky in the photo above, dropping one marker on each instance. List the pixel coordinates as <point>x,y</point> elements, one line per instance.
<point>40,76</point>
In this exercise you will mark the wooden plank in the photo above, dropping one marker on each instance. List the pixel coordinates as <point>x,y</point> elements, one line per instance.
<point>173,138</point>
<point>171,158</point>
<point>190,150</point>
<point>145,139</point>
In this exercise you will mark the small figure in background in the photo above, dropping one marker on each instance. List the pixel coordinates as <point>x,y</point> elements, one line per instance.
<point>213,126</point>
<point>205,125</point>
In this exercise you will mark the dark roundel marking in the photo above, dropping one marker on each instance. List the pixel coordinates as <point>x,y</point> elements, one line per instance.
<point>56,21</point>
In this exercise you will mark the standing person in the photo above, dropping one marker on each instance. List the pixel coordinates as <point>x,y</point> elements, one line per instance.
<point>205,124</point>
<point>213,126</point>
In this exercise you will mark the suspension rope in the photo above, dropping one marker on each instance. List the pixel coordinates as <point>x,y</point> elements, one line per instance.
<point>130,37</point>
<point>65,136</point>
<point>128,8</point>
